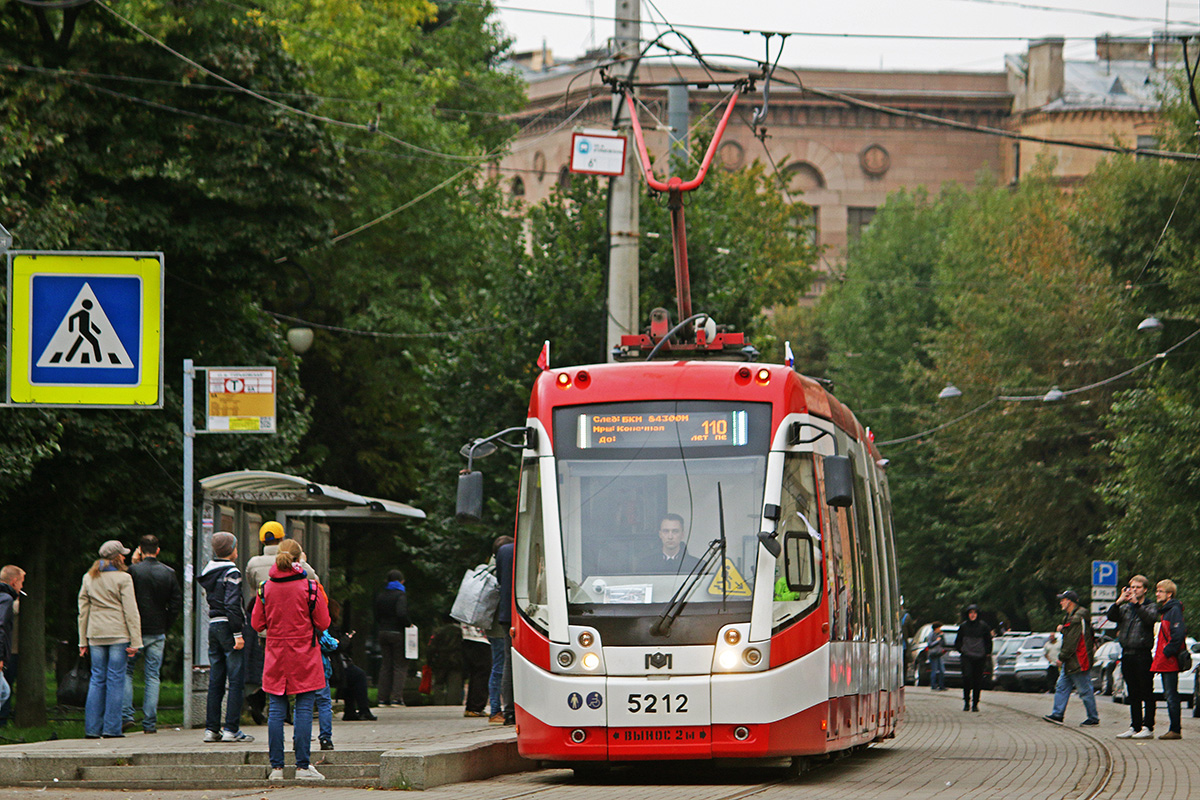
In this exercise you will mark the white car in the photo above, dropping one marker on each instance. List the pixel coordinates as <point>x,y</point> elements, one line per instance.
<point>1030,668</point>
<point>1189,692</point>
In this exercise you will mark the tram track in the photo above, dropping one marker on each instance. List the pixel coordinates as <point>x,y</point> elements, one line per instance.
<point>1106,774</point>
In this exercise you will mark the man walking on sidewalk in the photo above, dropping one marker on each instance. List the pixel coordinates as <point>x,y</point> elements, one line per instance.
<point>1135,620</point>
<point>1075,661</point>
<point>159,600</point>
<point>222,583</point>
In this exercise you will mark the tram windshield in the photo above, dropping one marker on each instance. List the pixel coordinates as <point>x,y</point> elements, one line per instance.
<point>638,488</point>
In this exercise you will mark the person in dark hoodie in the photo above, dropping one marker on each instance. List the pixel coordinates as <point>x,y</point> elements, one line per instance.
<point>222,584</point>
<point>1075,662</point>
<point>1172,638</point>
<point>974,645</point>
<point>391,615</point>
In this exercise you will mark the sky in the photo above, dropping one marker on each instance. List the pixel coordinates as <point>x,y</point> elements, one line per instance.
<point>978,33</point>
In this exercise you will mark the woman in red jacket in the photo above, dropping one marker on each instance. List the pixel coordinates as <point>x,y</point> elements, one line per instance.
<point>292,610</point>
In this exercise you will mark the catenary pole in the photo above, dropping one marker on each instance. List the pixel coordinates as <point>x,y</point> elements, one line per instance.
<point>623,223</point>
<point>189,568</point>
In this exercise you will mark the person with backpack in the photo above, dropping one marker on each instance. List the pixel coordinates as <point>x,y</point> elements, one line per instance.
<point>391,615</point>
<point>1169,649</point>
<point>292,611</point>
<point>1075,662</point>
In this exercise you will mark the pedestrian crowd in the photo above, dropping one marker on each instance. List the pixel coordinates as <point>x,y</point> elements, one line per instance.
<point>275,645</point>
<point>1150,630</point>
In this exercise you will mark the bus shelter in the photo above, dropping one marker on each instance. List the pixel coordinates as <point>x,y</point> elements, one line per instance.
<point>239,502</point>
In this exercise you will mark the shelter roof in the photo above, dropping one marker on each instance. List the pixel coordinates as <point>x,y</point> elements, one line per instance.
<point>295,493</point>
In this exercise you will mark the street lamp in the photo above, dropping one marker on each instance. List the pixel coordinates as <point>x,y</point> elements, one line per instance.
<point>1054,395</point>
<point>1151,323</point>
<point>300,340</point>
<point>950,392</point>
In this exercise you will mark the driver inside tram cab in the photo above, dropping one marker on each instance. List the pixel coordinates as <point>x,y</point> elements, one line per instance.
<point>672,557</point>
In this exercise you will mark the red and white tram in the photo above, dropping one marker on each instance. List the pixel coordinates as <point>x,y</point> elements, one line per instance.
<point>704,562</point>
<point>778,632</point>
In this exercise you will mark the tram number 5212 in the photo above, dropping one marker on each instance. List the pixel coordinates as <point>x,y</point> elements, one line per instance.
<point>650,704</point>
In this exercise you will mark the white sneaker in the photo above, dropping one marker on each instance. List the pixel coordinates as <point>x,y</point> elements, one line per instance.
<point>235,736</point>
<point>1144,733</point>
<point>212,736</point>
<point>276,775</point>
<point>309,774</point>
<point>1127,734</point>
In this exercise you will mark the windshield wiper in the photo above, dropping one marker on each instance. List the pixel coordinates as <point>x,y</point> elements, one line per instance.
<point>678,600</point>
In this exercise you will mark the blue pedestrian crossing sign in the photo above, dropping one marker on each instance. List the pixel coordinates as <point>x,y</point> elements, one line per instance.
<point>85,329</point>
<point>1104,573</point>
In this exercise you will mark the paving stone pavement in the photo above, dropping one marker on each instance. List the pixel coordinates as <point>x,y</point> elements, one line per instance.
<point>1004,751</point>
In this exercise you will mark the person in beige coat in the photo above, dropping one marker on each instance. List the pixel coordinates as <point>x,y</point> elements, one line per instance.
<point>110,629</point>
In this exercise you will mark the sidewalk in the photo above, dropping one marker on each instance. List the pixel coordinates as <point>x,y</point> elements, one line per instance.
<point>406,748</point>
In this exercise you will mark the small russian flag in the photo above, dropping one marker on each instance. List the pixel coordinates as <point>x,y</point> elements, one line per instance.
<point>543,361</point>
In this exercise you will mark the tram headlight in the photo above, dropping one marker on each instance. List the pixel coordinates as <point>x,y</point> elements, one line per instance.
<point>763,376</point>
<point>752,656</point>
<point>586,639</point>
<point>566,658</point>
<point>732,636</point>
<point>728,659</point>
<point>590,661</point>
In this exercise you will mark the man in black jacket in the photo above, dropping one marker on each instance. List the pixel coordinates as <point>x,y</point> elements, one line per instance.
<point>391,615</point>
<point>222,584</point>
<point>159,600</point>
<point>1135,620</point>
<point>974,644</point>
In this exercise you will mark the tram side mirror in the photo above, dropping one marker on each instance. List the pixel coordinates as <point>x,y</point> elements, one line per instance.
<point>770,542</point>
<point>799,561</point>
<point>839,481</point>
<point>469,506</point>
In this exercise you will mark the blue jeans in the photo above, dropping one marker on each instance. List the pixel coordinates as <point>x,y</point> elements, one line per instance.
<point>1170,681</point>
<point>301,728</point>
<point>497,676</point>
<point>106,692</point>
<point>225,662</point>
<point>937,673</point>
<point>1081,682</point>
<point>324,701</point>
<point>152,651</point>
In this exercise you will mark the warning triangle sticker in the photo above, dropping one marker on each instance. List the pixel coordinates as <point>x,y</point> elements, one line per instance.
<point>85,338</point>
<point>732,584</point>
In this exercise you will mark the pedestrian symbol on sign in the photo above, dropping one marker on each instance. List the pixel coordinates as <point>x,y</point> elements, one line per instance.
<point>85,338</point>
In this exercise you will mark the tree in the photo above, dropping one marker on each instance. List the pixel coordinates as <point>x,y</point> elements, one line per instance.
<point>121,145</point>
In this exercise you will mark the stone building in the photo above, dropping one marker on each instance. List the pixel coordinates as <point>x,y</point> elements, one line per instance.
<point>843,160</point>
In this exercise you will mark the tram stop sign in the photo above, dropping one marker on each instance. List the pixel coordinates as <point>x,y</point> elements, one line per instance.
<point>85,329</point>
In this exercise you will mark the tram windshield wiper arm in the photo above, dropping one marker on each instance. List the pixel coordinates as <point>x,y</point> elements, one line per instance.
<point>678,600</point>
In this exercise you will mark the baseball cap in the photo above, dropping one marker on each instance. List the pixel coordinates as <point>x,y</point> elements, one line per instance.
<point>271,532</point>
<point>112,548</point>
<point>1069,595</point>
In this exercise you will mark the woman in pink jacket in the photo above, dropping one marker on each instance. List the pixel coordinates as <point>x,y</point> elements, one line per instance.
<point>292,610</point>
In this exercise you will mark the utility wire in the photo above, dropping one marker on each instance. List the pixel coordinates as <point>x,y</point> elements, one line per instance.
<point>820,34</point>
<point>1042,397</point>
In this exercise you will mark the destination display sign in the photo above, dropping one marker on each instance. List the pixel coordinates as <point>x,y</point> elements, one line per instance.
<point>621,430</point>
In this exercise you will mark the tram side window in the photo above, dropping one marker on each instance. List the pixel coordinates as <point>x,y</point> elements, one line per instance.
<point>866,545</point>
<point>529,586</point>
<point>798,570</point>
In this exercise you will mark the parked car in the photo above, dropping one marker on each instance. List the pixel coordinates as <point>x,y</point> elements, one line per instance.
<point>1030,667</point>
<point>1104,665</point>
<point>952,661</point>
<point>1004,653</point>
<point>1189,692</point>
<point>916,655</point>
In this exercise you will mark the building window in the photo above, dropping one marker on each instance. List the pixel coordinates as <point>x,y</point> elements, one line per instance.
<point>517,188</point>
<point>803,177</point>
<point>564,178</point>
<point>1146,143</point>
<point>857,220</point>
<point>807,223</point>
